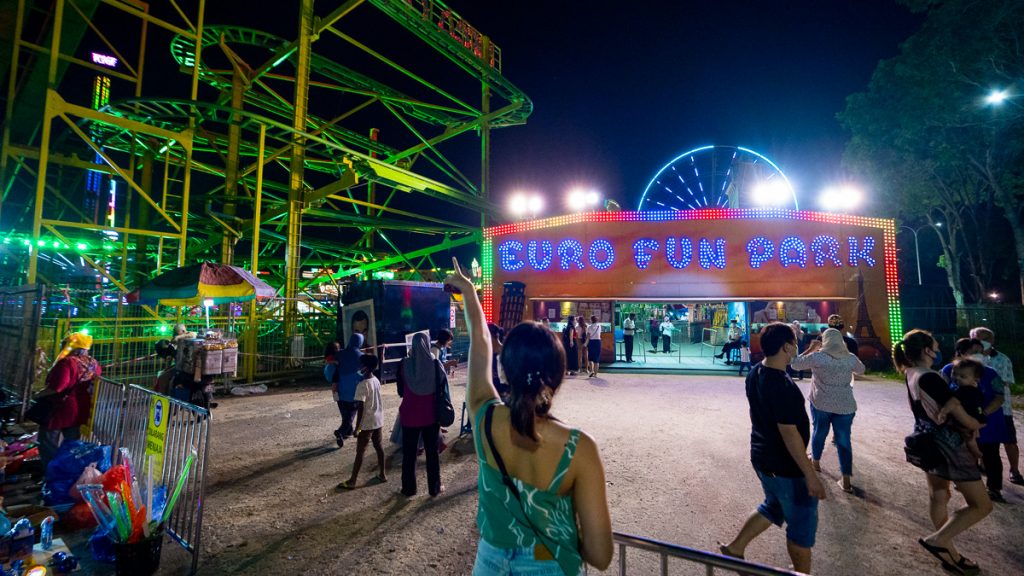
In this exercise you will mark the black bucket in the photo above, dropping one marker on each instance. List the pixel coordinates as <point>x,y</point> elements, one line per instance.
<point>139,559</point>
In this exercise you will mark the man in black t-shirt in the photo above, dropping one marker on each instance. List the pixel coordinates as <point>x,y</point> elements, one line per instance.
<point>778,451</point>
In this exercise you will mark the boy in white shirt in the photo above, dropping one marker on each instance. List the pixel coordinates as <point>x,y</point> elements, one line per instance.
<point>370,420</point>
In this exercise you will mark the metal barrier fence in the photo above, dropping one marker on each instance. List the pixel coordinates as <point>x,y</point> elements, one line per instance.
<point>19,323</point>
<point>124,346</point>
<point>128,417</point>
<point>709,560</point>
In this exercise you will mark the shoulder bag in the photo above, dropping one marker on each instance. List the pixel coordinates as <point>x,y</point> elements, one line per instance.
<point>921,448</point>
<point>507,480</point>
<point>43,404</point>
<point>444,412</point>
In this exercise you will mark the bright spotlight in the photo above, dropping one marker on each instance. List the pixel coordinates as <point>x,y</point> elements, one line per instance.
<point>517,204</point>
<point>840,198</point>
<point>535,204</point>
<point>581,199</point>
<point>997,97</point>
<point>771,193</point>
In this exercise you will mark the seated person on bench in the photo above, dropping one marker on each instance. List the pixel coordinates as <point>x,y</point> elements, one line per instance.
<point>735,334</point>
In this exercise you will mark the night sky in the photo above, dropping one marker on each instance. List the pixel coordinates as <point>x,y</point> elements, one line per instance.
<point>618,92</point>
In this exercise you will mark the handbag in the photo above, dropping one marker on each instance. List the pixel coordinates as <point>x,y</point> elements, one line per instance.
<point>43,404</point>
<point>921,448</point>
<point>444,412</point>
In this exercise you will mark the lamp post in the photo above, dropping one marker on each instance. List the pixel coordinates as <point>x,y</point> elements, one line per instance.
<point>917,251</point>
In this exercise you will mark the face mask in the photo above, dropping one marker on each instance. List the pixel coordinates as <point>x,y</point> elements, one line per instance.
<point>986,345</point>
<point>980,358</point>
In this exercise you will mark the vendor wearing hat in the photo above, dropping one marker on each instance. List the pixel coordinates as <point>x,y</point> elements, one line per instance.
<point>70,380</point>
<point>836,321</point>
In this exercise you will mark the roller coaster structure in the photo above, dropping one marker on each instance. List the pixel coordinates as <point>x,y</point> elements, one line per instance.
<point>245,154</point>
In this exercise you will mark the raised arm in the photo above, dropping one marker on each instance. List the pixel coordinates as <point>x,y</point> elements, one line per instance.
<point>479,388</point>
<point>591,503</point>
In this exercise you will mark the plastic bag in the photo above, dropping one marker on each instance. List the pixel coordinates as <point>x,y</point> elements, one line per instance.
<point>101,547</point>
<point>79,517</point>
<point>66,467</point>
<point>113,478</point>
<point>91,475</point>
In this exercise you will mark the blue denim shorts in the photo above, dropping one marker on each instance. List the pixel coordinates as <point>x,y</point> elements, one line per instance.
<point>786,500</point>
<point>493,561</point>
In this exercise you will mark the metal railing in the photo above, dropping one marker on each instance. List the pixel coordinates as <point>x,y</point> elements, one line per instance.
<point>121,418</point>
<point>709,560</point>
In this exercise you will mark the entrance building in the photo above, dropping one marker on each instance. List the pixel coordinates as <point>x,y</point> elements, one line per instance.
<point>700,269</point>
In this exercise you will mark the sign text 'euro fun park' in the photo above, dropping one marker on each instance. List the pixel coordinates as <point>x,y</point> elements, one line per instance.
<point>678,252</point>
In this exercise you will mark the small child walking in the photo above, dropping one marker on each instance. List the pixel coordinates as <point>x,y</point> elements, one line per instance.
<point>744,357</point>
<point>369,422</point>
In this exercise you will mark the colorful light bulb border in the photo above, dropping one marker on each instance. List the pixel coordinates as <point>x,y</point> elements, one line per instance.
<point>886,226</point>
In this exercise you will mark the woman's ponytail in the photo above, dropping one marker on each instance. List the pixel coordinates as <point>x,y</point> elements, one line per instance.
<point>533,361</point>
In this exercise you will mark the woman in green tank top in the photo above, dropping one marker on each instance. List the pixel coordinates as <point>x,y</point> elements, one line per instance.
<point>543,508</point>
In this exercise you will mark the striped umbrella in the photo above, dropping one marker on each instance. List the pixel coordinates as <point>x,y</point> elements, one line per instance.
<point>192,285</point>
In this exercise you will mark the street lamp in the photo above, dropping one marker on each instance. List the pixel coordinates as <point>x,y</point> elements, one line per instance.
<point>997,97</point>
<point>917,251</point>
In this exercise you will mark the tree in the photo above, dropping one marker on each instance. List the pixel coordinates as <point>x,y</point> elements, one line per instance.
<point>921,135</point>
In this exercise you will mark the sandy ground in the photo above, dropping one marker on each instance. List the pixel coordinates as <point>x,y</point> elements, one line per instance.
<point>676,453</point>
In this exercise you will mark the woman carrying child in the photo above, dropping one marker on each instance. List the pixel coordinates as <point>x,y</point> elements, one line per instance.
<point>928,394</point>
<point>543,508</point>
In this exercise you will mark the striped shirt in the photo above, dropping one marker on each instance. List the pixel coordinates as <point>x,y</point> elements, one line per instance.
<point>831,380</point>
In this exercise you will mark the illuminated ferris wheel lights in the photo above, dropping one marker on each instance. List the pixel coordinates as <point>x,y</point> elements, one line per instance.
<point>840,198</point>
<point>771,193</point>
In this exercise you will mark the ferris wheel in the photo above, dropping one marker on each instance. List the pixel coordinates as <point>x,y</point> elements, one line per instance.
<point>718,177</point>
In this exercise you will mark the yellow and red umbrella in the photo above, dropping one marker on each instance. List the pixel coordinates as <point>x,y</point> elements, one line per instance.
<point>193,285</point>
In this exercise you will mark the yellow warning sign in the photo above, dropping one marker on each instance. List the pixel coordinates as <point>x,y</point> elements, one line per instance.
<point>86,429</point>
<point>156,433</point>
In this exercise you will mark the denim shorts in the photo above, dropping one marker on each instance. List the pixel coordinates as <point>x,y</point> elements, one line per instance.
<point>787,500</point>
<point>494,561</point>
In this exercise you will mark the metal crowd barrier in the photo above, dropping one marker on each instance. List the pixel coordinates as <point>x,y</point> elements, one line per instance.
<point>123,416</point>
<point>709,560</point>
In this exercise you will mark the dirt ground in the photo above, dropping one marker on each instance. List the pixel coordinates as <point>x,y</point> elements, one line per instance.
<point>676,453</point>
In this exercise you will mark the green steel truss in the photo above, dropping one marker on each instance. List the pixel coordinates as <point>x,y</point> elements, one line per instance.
<point>252,159</point>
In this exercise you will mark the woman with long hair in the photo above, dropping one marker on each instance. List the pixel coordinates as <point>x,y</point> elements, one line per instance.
<point>831,398</point>
<point>543,508</point>
<point>569,338</point>
<point>949,460</point>
<point>420,376</point>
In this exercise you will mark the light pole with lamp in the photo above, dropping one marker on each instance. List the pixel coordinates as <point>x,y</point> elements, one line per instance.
<point>917,251</point>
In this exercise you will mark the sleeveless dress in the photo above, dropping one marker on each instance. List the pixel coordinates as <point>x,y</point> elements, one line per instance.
<point>505,521</point>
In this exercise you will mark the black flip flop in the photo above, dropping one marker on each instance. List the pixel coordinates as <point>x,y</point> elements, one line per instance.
<point>968,566</point>
<point>938,551</point>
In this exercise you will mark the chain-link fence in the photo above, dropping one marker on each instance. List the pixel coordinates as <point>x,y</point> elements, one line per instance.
<point>20,309</point>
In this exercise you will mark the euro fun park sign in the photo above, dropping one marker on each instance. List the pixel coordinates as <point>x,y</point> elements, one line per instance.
<point>727,254</point>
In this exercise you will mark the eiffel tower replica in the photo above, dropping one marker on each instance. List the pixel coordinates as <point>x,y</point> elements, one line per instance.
<point>872,350</point>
